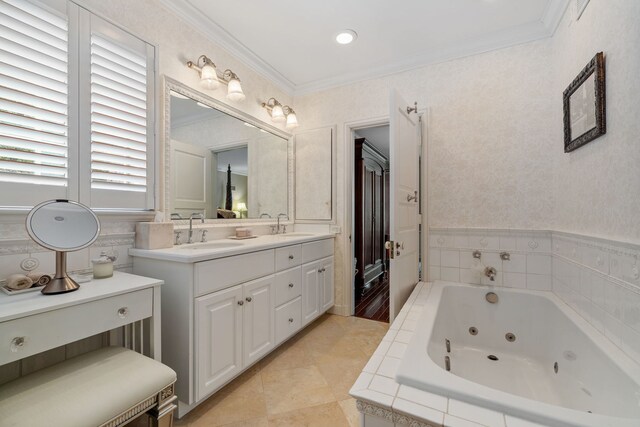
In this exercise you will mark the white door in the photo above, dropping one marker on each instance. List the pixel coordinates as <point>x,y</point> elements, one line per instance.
<point>310,292</point>
<point>404,146</point>
<point>219,339</point>
<point>259,313</point>
<point>326,283</point>
<point>193,189</point>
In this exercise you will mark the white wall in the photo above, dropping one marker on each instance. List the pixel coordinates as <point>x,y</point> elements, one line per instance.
<point>597,187</point>
<point>496,152</point>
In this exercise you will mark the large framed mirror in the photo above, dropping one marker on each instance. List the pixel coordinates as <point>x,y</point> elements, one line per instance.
<point>223,163</point>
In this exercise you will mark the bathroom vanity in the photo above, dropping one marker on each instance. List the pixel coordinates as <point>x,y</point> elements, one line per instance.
<point>228,303</point>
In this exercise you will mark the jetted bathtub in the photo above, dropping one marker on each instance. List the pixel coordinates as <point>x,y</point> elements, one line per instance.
<point>527,355</point>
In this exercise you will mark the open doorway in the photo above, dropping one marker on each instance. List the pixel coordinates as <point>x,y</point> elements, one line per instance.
<point>371,222</point>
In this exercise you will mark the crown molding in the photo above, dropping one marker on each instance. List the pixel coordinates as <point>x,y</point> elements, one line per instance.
<point>541,29</point>
<point>196,19</point>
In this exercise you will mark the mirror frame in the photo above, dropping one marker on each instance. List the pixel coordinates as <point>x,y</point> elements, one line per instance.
<point>173,85</point>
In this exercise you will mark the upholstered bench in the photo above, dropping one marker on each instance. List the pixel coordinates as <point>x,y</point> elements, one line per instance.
<point>106,387</point>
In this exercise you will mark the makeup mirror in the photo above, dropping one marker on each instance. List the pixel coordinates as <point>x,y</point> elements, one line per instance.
<point>62,226</point>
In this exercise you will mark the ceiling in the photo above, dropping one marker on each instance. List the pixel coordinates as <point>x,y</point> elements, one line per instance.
<point>292,42</point>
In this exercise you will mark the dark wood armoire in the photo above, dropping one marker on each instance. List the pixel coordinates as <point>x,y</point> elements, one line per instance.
<point>371,213</point>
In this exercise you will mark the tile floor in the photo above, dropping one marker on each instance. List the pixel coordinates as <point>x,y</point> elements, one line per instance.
<point>305,382</point>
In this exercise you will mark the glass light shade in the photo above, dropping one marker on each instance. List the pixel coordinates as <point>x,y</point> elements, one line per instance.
<point>277,114</point>
<point>234,91</point>
<point>242,206</point>
<point>209,77</point>
<point>292,121</point>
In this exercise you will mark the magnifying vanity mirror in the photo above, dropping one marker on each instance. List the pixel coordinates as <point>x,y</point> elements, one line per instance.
<point>223,163</point>
<point>62,226</point>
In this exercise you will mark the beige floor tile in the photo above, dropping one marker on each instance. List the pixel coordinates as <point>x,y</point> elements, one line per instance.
<point>341,377</point>
<point>228,408</point>
<point>327,415</point>
<point>348,406</point>
<point>289,356</point>
<point>256,422</point>
<point>289,389</point>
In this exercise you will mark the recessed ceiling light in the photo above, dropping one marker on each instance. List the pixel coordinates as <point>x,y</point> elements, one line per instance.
<point>346,36</point>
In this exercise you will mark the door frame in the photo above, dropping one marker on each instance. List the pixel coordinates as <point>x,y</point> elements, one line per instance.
<point>349,184</point>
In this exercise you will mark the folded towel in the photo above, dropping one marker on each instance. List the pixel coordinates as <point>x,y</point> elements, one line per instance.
<point>18,282</point>
<point>38,278</point>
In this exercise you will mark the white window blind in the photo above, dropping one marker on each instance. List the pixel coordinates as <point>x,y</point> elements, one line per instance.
<point>121,98</point>
<point>77,108</point>
<point>118,117</point>
<point>34,133</point>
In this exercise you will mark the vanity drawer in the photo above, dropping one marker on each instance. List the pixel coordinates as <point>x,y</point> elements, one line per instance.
<point>288,285</point>
<point>316,250</point>
<point>54,328</point>
<point>211,276</point>
<point>287,257</point>
<point>288,319</point>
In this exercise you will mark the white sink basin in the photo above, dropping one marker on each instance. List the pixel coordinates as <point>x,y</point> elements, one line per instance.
<point>210,245</point>
<point>292,235</point>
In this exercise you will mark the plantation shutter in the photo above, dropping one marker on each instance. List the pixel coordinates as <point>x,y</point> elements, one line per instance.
<point>122,117</point>
<point>34,97</point>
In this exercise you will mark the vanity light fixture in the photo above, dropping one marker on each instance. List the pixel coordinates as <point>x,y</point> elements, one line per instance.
<point>281,113</point>
<point>210,78</point>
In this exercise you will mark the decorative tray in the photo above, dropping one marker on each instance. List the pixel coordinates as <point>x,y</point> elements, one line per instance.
<point>21,291</point>
<point>242,238</point>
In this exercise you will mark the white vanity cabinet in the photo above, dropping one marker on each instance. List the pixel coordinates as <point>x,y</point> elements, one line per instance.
<point>223,313</point>
<point>234,329</point>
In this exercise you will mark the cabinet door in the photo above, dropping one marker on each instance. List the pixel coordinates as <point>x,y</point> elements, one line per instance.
<point>259,318</point>
<point>219,339</point>
<point>326,284</point>
<point>310,292</point>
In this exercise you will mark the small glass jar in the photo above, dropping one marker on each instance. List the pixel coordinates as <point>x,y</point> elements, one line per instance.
<point>103,266</point>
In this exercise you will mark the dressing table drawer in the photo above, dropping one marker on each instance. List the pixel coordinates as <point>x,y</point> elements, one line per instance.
<point>287,257</point>
<point>29,335</point>
<point>288,285</point>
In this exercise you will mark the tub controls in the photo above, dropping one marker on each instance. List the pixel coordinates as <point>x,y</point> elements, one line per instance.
<point>447,343</point>
<point>492,297</point>
<point>473,330</point>
<point>510,337</point>
<point>477,254</point>
<point>447,363</point>
<point>505,256</point>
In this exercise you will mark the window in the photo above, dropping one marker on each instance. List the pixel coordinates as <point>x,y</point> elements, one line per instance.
<point>76,108</point>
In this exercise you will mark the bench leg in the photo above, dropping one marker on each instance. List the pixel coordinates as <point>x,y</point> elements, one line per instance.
<point>162,414</point>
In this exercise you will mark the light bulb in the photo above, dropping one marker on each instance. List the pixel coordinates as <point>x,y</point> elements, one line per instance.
<point>209,76</point>
<point>346,36</point>
<point>292,121</point>
<point>234,91</point>
<point>277,114</point>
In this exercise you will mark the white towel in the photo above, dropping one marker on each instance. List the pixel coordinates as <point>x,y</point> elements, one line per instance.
<point>18,282</point>
<point>39,278</point>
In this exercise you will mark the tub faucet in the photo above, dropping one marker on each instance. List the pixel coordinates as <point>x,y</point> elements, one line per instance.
<point>490,272</point>
<point>191,217</point>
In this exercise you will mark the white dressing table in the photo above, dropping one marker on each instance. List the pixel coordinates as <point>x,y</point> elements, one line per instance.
<point>31,323</point>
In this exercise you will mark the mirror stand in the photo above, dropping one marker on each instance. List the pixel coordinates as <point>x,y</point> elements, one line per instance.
<point>61,282</point>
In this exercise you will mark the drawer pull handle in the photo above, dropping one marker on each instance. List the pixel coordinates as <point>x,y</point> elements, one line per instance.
<point>17,343</point>
<point>123,311</point>
<point>291,257</point>
<point>290,319</point>
<point>319,270</point>
<point>291,285</point>
<point>240,302</point>
<point>248,299</point>
<point>322,270</point>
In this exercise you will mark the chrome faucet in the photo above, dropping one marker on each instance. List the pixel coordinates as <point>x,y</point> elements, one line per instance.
<point>490,272</point>
<point>191,217</point>
<point>284,227</point>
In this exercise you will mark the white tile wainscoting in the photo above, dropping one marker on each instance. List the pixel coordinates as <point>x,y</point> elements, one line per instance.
<point>599,278</point>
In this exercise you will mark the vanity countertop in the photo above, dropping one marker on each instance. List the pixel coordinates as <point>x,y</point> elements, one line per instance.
<point>220,248</point>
